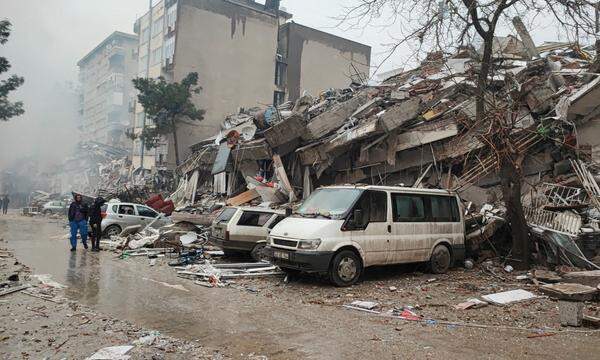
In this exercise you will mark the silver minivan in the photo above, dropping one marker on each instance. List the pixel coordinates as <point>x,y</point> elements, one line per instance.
<point>116,216</point>
<point>340,230</point>
<point>244,229</point>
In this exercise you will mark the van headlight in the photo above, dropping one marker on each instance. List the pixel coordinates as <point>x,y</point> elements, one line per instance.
<point>269,240</point>
<point>309,244</point>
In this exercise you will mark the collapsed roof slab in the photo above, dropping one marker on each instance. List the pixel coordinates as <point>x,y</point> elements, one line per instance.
<point>333,119</point>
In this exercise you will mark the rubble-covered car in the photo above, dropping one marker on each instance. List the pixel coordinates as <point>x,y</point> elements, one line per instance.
<point>244,229</point>
<point>55,207</point>
<point>117,216</point>
<point>340,230</point>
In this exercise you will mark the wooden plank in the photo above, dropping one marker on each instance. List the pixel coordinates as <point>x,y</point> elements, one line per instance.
<point>243,198</point>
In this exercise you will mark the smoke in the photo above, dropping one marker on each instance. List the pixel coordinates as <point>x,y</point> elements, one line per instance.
<point>47,40</point>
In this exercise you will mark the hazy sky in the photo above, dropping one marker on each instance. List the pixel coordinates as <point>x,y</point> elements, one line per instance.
<point>50,36</point>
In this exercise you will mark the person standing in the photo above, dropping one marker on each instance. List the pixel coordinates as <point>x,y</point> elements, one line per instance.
<point>78,215</point>
<point>5,203</point>
<point>96,222</point>
<point>1,203</point>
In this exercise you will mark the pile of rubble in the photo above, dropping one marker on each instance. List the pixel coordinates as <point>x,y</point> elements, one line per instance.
<point>418,128</point>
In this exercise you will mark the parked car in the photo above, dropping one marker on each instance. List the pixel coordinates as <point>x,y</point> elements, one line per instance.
<point>116,216</point>
<point>341,230</point>
<point>54,207</point>
<point>244,229</point>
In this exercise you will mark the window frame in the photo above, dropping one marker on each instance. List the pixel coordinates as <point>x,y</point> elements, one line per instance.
<point>454,209</point>
<point>427,208</point>
<point>143,207</point>
<point>349,224</point>
<point>259,213</point>
<point>132,206</point>
<point>424,200</point>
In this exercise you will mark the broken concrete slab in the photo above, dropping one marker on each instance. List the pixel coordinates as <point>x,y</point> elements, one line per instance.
<point>331,120</point>
<point>571,313</point>
<point>196,219</point>
<point>399,114</point>
<point>413,139</point>
<point>271,195</point>
<point>509,297</point>
<point>285,131</point>
<point>589,278</point>
<point>368,129</point>
<point>546,276</point>
<point>572,292</point>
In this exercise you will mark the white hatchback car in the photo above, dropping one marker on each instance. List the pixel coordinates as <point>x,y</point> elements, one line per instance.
<point>116,216</point>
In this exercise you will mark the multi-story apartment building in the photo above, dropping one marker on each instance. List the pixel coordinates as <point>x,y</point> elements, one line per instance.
<point>105,74</point>
<point>235,47</point>
<point>310,60</point>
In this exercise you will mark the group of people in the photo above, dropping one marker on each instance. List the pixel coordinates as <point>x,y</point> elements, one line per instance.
<point>79,214</point>
<point>4,201</point>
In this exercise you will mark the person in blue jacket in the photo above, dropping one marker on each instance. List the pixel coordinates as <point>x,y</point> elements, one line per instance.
<point>78,220</point>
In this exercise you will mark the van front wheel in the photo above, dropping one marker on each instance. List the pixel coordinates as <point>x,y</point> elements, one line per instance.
<point>345,269</point>
<point>440,260</point>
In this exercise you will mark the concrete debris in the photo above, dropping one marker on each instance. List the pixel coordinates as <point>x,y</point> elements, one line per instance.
<point>112,353</point>
<point>571,292</point>
<point>509,297</point>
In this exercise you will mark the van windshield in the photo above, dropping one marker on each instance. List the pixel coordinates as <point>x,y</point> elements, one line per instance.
<point>329,202</point>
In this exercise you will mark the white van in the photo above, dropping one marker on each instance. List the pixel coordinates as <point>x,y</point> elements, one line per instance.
<point>340,230</point>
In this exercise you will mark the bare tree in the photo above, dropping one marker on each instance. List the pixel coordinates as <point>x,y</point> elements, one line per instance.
<point>449,24</point>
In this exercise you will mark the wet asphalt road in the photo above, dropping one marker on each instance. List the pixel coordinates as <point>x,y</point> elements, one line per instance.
<point>237,322</point>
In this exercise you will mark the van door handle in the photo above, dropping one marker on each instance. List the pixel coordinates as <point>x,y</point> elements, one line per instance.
<point>390,229</point>
<point>120,216</point>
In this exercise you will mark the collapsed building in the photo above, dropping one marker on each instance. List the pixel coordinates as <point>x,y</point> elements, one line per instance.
<point>418,128</point>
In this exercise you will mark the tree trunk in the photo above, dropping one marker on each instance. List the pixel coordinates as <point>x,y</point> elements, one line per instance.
<point>482,79</point>
<point>175,142</point>
<point>510,178</point>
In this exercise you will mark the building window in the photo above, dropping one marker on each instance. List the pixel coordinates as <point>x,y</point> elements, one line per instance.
<point>145,34</point>
<point>171,17</point>
<point>278,98</point>
<point>157,27</point>
<point>143,64</point>
<point>169,49</point>
<point>280,74</point>
<point>156,56</point>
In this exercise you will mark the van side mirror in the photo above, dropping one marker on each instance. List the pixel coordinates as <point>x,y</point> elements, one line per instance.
<point>288,212</point>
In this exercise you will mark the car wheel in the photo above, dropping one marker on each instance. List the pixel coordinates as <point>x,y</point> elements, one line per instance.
<point>113,230</point>
<point>346,268</point>
<point>258,252</point>
<point>47,212</point>
<point>440,260</point>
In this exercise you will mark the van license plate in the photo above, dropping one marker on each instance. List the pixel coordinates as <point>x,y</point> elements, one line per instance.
<point>281,255</point>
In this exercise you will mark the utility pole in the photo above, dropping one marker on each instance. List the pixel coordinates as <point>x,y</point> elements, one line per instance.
<point>150,23</point>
